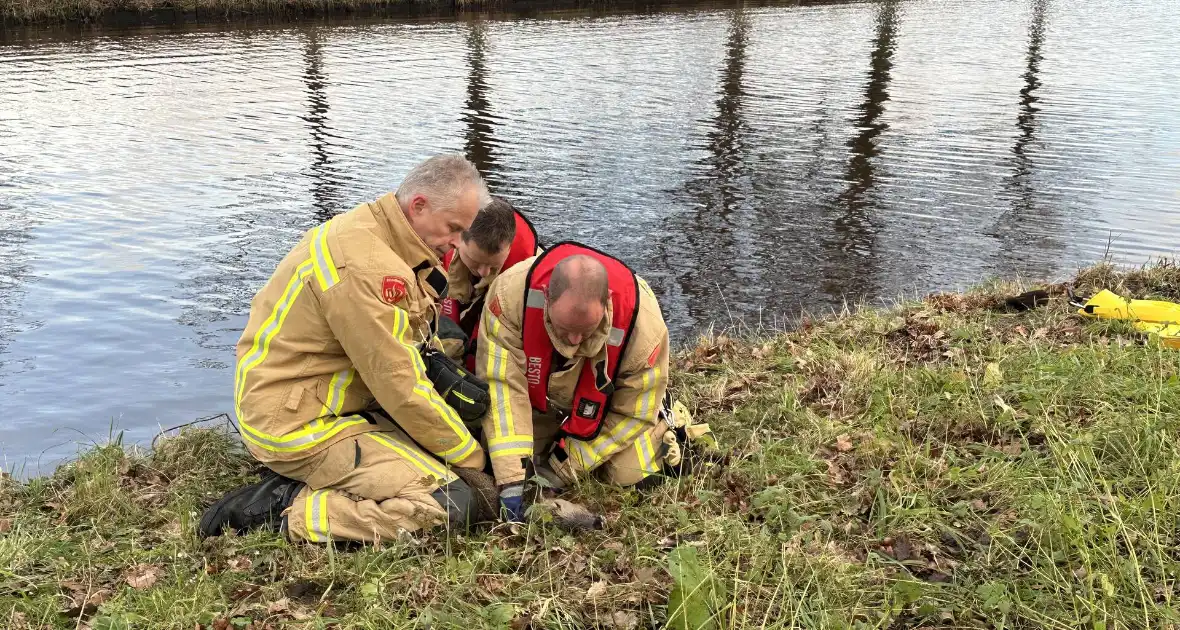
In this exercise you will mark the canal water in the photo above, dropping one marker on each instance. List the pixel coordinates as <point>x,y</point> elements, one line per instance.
<point>751,161</point>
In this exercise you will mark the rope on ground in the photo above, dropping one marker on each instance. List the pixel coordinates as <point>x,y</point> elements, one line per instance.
<point>219,416</point>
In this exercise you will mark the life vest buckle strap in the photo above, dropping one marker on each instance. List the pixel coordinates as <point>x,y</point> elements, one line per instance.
<point>602,380</point>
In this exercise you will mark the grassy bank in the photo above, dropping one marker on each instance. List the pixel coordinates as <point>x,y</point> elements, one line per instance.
<point>138,12</point>
<point>130,11</point>
<point>939,465</point>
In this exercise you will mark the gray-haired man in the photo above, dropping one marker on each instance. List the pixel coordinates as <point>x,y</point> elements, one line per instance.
<point>330,388</point>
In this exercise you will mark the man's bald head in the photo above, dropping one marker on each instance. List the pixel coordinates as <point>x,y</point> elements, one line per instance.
<point>581,274</point>
<point>578,295</point>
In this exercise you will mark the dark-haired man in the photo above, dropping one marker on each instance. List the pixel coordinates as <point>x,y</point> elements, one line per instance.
<point>499,238</point>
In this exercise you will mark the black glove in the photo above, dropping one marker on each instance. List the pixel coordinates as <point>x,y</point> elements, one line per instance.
<point>465,393</point>
<point>448,329</point>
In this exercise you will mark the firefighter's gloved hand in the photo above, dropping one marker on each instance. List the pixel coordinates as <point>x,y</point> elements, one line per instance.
<point>687,443</point>
<point>449,329</point>
<point>462,390</point>
<point>452,339</point>
<point>512,502</point>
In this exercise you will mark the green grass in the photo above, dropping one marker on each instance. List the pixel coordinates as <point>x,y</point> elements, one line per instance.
<point>937,465</point>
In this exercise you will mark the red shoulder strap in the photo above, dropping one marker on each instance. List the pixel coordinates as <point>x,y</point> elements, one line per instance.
<point>596,384</point>
<point>524,245</point>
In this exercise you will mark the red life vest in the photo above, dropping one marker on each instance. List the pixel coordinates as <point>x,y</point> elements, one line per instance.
<point>524,245</point>
<point>596,383</point>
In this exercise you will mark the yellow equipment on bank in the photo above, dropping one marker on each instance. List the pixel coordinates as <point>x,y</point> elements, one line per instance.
<point>1150,316</point>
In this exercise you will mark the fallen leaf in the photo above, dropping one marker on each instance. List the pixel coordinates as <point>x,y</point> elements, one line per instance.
<point>624,620</point>
<point>597,590</point>
<point>1004,406</point>
<point>523,621</point>
<point>85,602</point>
<point>993,376</point>
<point>240,564</point>
<point>221,623</point>
<point>835,474</point>
<point>979,505</point>
<point>279,606</point>
<point>901,549</point>
<point>5,525</point>
<point>843,443</point>
<point>74,588</point>
<point>143,576</point>
<point>243,591</point>
<point>81,612</point>
<point>646,575</point>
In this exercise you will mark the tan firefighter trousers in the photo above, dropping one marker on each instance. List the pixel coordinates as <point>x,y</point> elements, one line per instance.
<point>627,467</point>
<point>370,487</point>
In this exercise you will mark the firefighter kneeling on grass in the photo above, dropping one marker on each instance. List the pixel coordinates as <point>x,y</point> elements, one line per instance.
<point>332,389</point>
<point>575,351</point>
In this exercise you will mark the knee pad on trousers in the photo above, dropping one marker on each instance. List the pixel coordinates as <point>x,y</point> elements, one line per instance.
<point>458,500</point>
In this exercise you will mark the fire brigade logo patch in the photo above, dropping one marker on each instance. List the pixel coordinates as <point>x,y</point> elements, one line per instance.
<point>494,307</point>
<point>393,289</point>
<point>587,408</point>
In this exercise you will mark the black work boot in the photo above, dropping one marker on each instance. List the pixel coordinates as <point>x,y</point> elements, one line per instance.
<point>256,506</point>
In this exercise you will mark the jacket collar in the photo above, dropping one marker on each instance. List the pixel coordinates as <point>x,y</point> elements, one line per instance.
<point>405,242</point>
<point>462,284</point>
<point>400,237</point>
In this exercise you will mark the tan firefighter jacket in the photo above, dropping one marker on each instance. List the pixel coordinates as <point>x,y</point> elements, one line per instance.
<point>463,285</point>
<point>508,426</point>
<point>466,289</point>
<point>334,332</point>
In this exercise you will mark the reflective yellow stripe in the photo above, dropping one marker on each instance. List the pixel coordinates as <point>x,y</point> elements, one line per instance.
<point>647,454</point>
<point>325,268</point>
<point>267,331</point>
<point>311,434</point>
<point>316,518</point>
<point>497,369</point>
<point>619,436</point>
<point>624,432</point>
<point>337,388</point>
<point>461,452</point>
<point>424,389</point>
<point>514,445</point>
<point>460,396</point>
<point>645,408</point>
<point>429,467</point>
<point>581,453</point>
